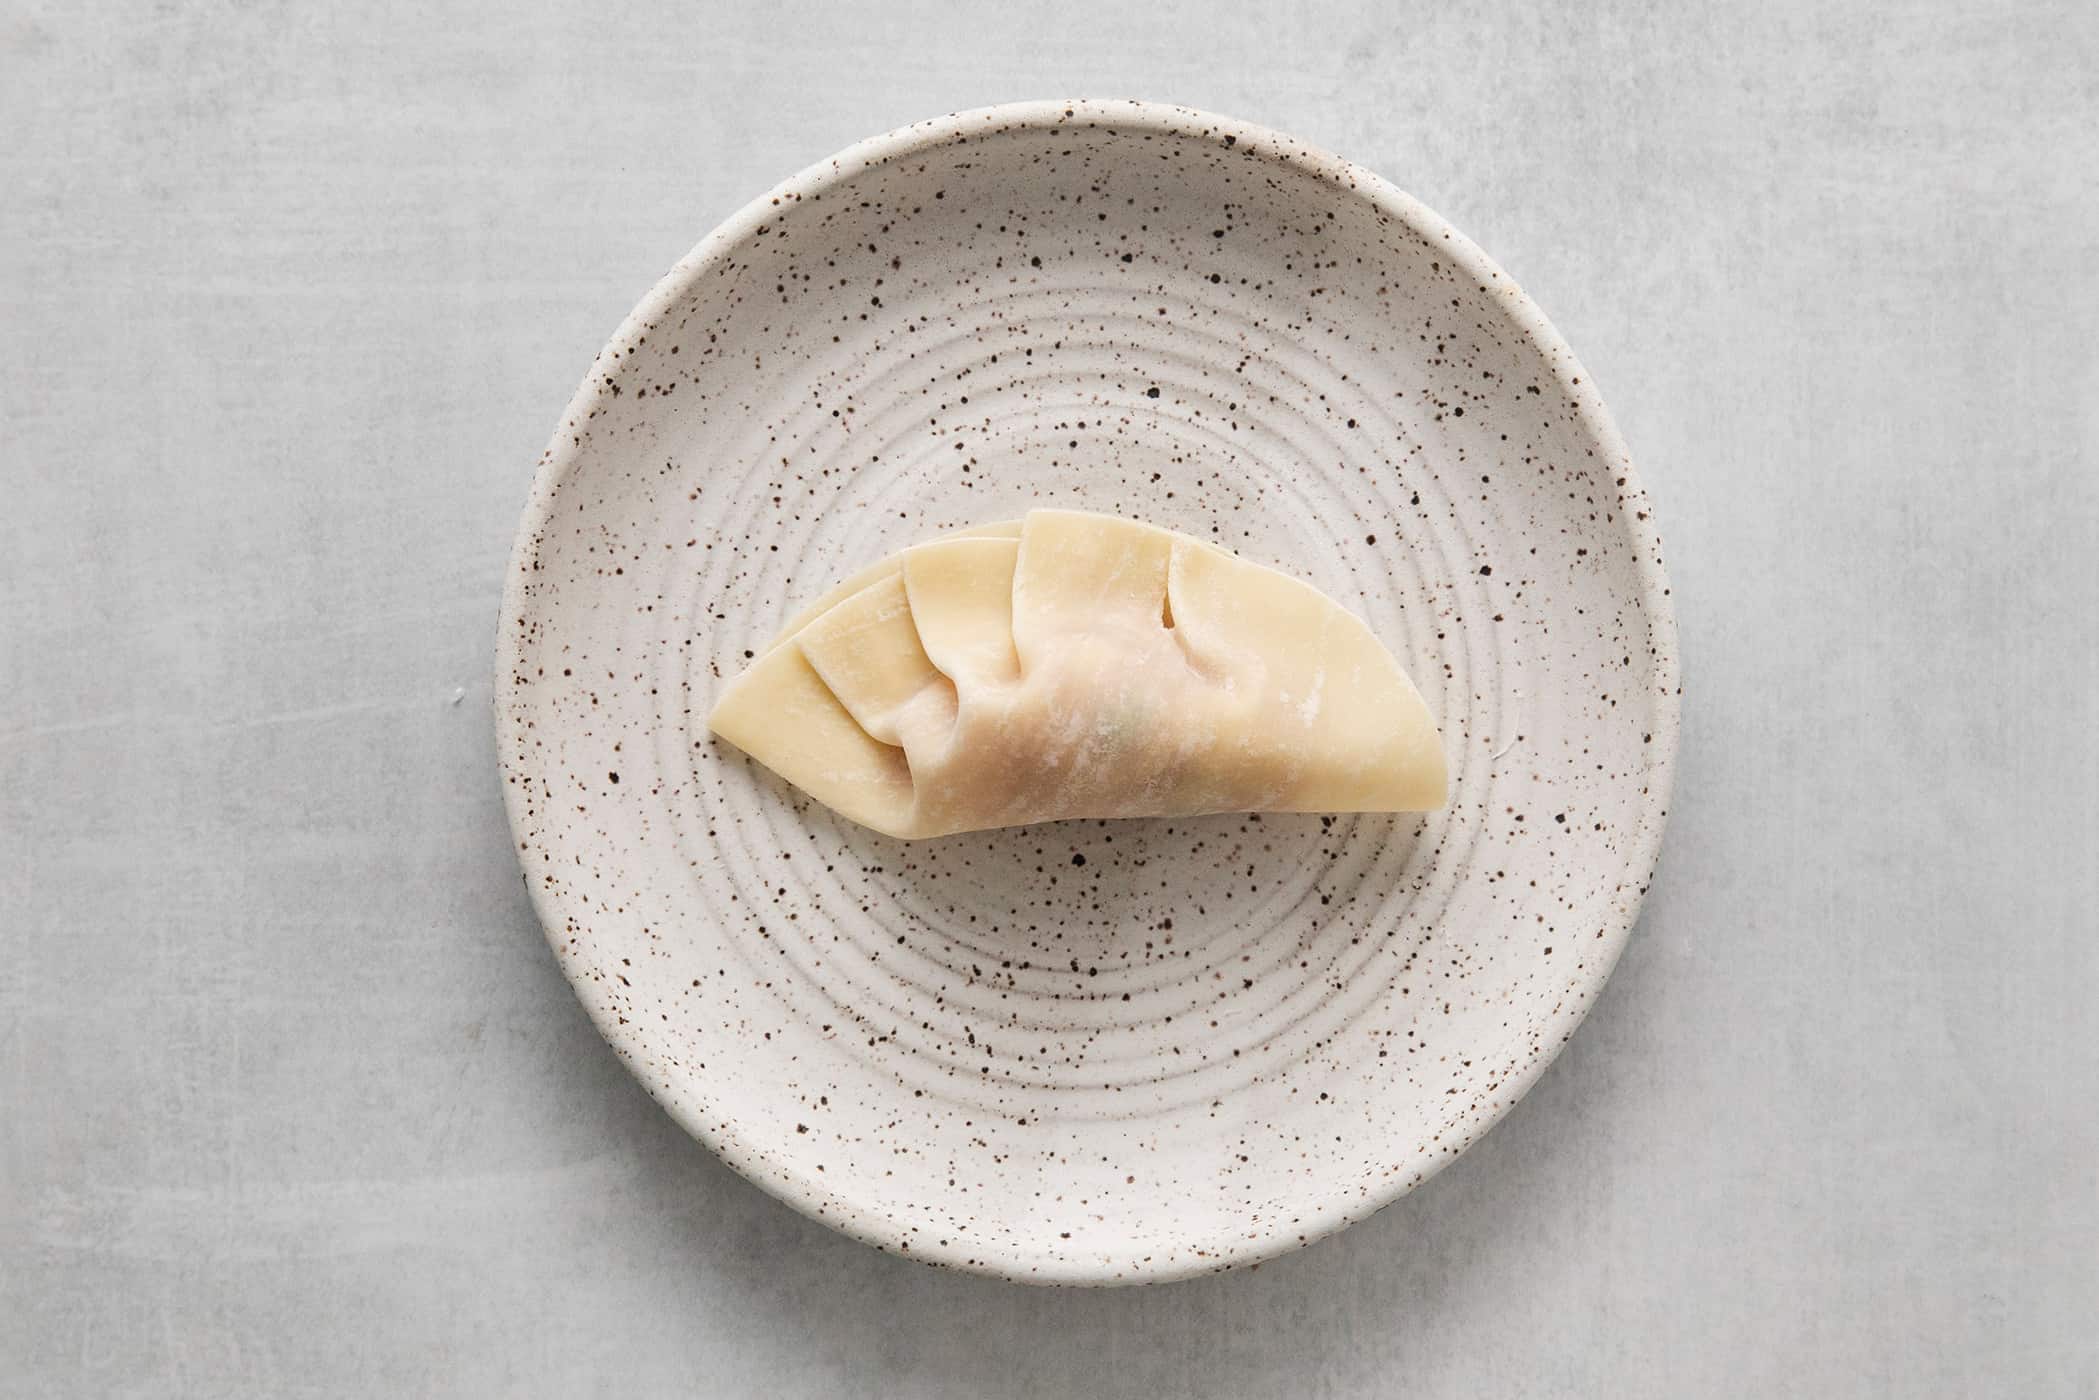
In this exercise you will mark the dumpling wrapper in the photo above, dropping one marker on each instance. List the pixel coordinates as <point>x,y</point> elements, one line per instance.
<point>1075,665</point>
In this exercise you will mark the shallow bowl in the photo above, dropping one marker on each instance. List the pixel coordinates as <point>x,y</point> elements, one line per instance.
<point>1088,1052</point>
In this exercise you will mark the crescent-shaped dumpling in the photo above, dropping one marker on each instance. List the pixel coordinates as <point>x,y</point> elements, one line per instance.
<point>1076,665</point>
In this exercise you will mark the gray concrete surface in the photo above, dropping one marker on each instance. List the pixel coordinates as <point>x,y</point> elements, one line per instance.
<point>295,1100</point>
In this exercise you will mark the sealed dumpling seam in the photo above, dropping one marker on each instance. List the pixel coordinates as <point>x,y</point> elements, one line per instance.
<point>1080,665</point>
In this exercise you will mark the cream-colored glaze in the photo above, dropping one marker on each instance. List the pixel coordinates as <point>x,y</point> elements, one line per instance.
<point>1079,665</point>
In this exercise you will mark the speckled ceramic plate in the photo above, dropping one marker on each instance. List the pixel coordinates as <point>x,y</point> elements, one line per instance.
<point>1091,1051</point>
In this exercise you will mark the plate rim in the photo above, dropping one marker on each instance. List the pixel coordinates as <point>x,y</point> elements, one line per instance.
<point>817,1199</point>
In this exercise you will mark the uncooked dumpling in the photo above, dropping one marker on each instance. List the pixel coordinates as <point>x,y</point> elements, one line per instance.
<point>1077,665</point>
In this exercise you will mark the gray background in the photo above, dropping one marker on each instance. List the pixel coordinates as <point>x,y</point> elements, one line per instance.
<point>296,1101</point>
